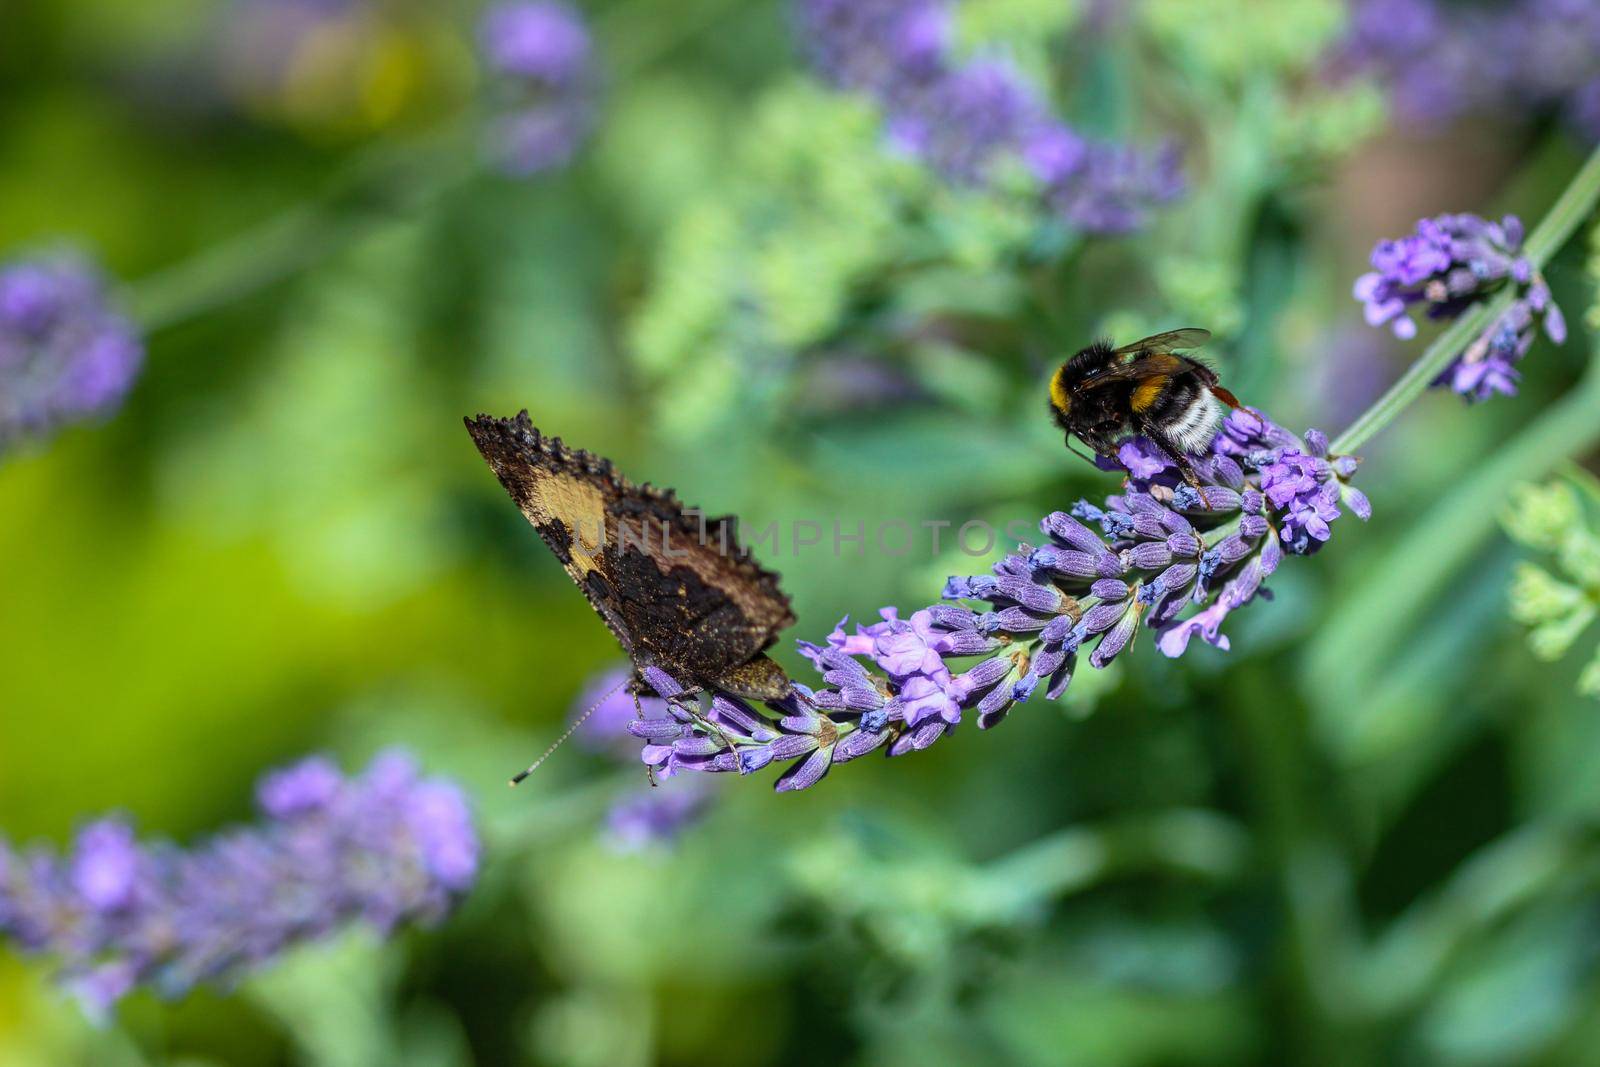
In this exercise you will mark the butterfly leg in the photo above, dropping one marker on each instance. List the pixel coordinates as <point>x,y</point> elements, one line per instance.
<point>692,708</point>
<point>1187,470</point>
<point>638,712</point>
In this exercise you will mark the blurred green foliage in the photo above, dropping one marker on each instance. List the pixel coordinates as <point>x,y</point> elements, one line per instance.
<point>1366,835</point>
<point>1557,521</point>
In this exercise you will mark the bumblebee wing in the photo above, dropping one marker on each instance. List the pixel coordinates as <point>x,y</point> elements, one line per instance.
<point>1171,341</point>
<point>1140,368</point>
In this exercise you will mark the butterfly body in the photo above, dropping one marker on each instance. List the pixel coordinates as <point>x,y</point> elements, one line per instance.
<point>675,588</point>
<point>1148,387</point>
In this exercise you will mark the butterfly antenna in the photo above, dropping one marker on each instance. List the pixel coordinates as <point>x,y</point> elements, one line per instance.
<point>569,732</point>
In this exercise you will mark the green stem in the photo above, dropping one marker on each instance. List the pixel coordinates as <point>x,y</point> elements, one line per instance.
<point>384,183</point>
<point>1572,208</point>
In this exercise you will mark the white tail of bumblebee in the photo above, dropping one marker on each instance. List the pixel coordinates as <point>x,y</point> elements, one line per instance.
<point>569,732</point>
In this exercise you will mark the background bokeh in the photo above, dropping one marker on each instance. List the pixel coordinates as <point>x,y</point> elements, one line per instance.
<point>1363,835</point>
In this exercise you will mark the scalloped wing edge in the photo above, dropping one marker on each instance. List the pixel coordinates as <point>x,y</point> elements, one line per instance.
<point>522,430</point>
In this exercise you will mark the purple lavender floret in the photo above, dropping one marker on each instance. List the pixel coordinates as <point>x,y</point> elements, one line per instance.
<point>386,847</point>
<point>910,654</point>
<point>963,118</point>
<point>65,354</point>
<point>541,57</point>
<point>1450,264</point>
<point>809,731</point>
<point>1304,489</point>
<point>1161,554</point>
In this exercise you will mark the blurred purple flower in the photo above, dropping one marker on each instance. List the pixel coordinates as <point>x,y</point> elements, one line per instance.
<point>65,355</point>
<point>385,847</point>
<point>640,818</point>
<point>105,864</point>
<point>1346,372</point>
<point>1450,264</point>
<point>1163,546</point>
<point>614,708</point>
<point>542,42</point>
<point>437,816</point>
<point>1584,110</point>
<point>1441,61</point>
<point>648,818</point>
<point>541,57</point>
<point>307,786</point>
<point>262,44</point>
<point>964,118</point>
<point>879,46</point>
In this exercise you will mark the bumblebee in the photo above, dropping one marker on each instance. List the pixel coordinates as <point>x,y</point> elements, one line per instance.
<point>1102,393</point>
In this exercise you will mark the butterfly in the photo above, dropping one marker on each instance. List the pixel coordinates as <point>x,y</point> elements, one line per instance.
<point>675,588</point>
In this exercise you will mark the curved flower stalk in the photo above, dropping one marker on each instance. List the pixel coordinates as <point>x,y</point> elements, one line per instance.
<point>65,354</point>
<point>1452,263</point>
<point>964,118</point>
<point>541,55</point>
<point>386,847</point>
<point>1161,554</point>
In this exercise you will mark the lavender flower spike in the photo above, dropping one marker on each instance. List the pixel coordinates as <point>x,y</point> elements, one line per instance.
<point>1161,554</point>
<point>386,847</point>
<point>542,58</point>
<point>1450,264</point>
<point>65,355</point>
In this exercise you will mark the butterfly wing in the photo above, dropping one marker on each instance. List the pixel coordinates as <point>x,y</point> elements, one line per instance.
<point>675,589</point>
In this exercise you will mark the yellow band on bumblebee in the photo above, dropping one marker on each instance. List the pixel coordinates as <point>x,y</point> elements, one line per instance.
<point>1059,398</point>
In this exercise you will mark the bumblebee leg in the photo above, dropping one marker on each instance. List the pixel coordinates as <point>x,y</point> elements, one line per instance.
<point>1179,458</point>
<point>1194,480</point>
<point>1080,455</point>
